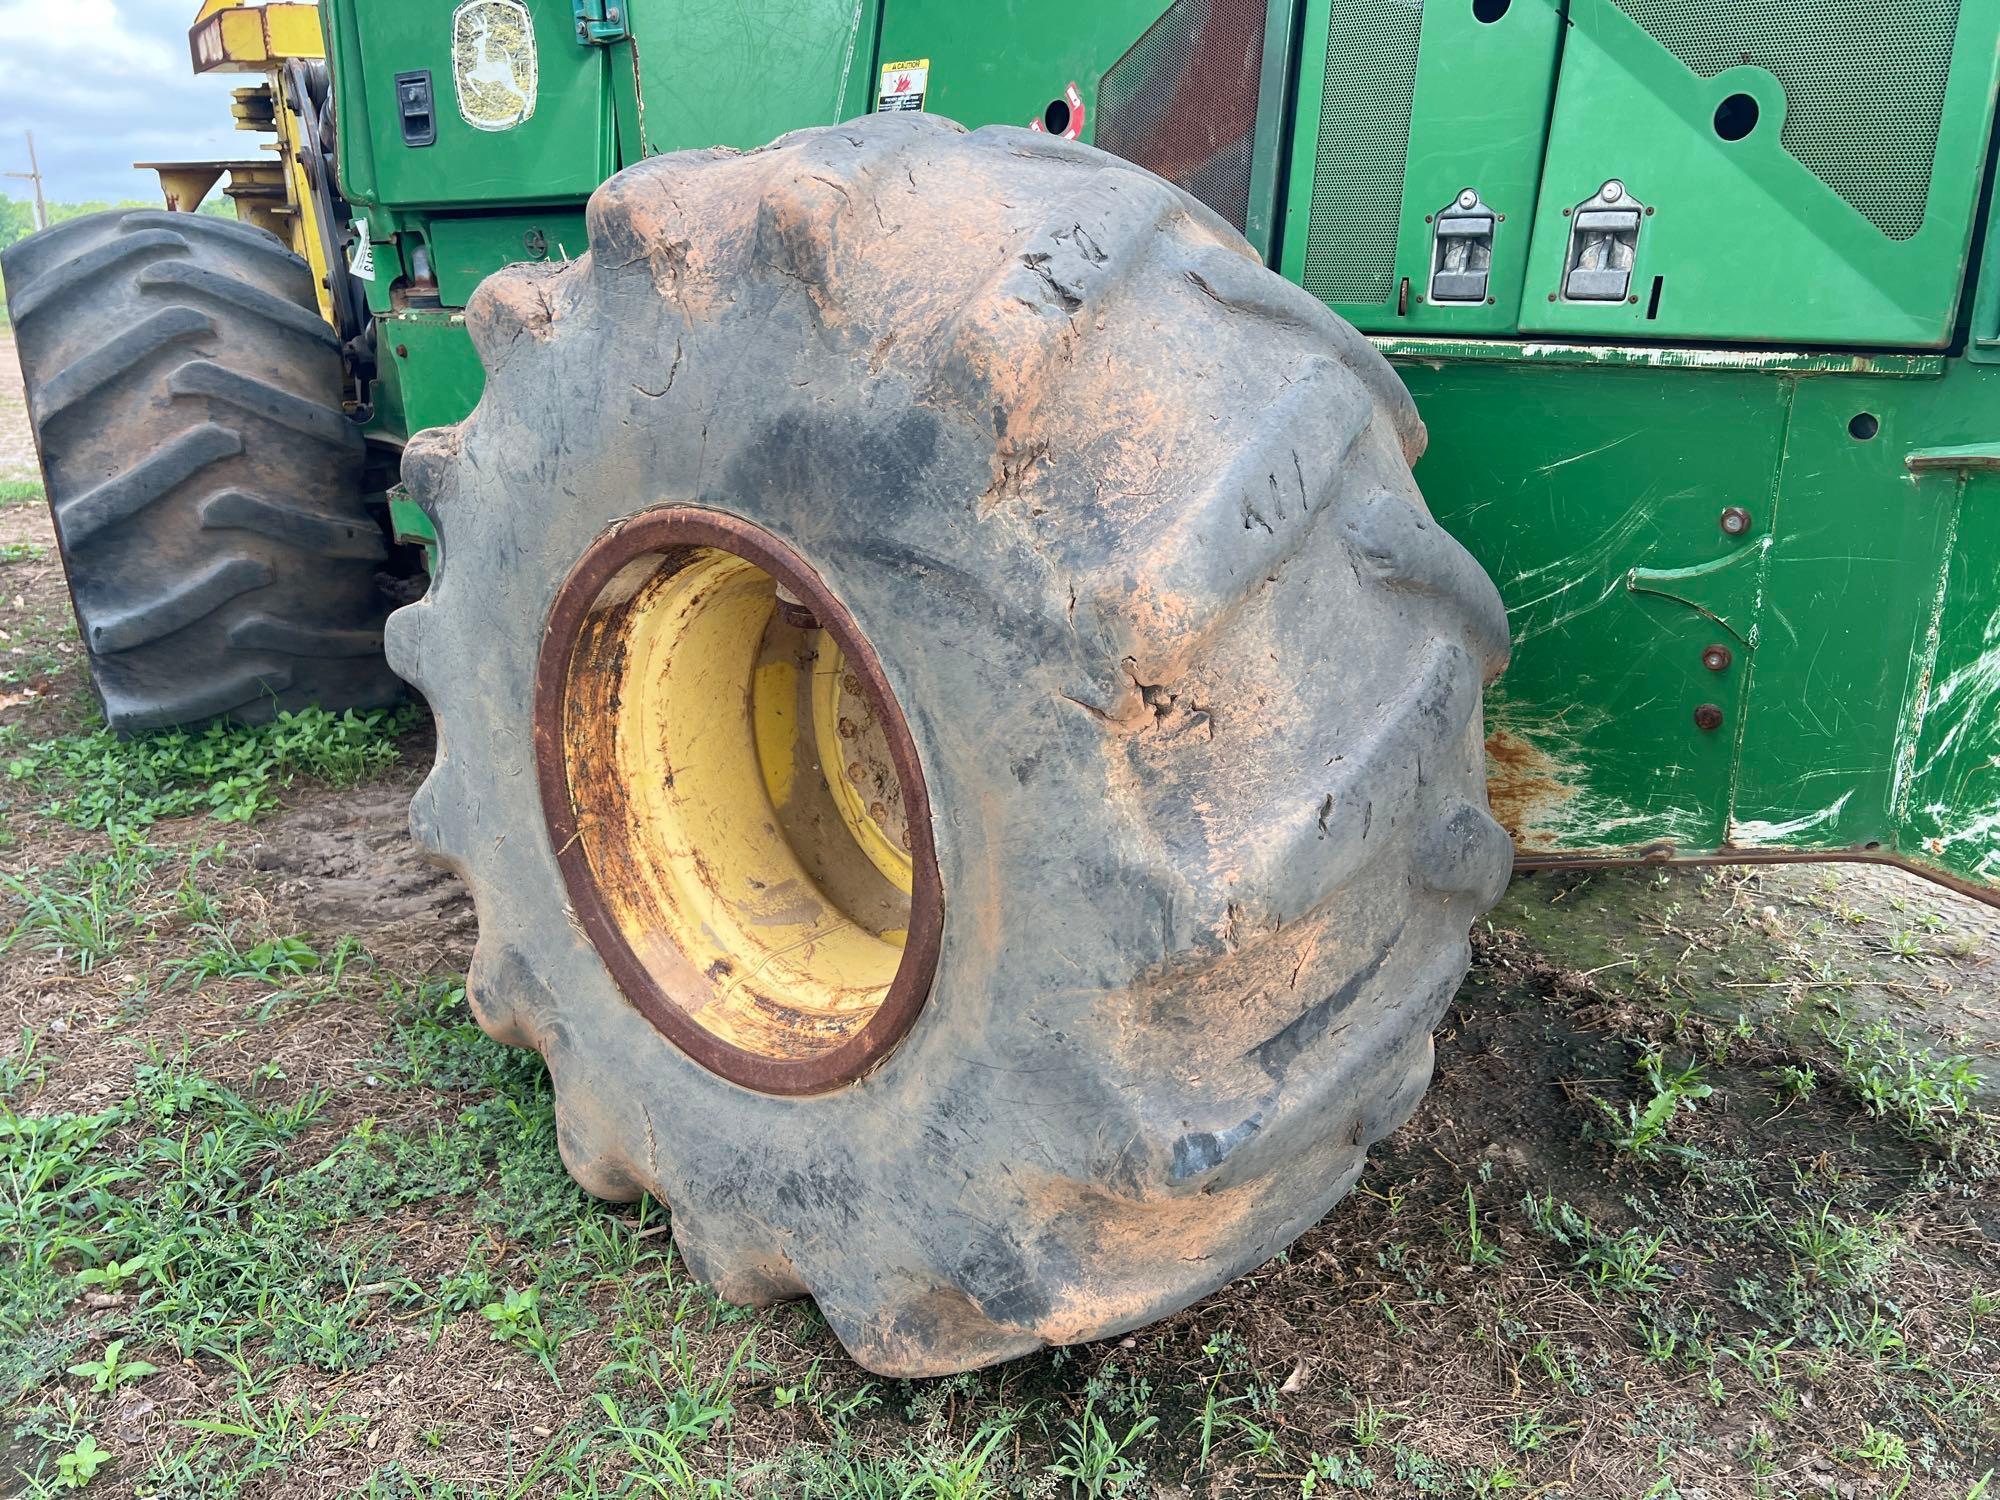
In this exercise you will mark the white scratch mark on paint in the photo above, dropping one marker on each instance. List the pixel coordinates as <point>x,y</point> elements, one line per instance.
<point>1753,833</point>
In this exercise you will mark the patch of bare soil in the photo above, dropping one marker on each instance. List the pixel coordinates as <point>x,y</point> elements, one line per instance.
<point>347,863</point>
<point>17,442</point>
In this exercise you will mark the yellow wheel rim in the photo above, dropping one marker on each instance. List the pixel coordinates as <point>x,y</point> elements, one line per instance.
<point>732,808</point>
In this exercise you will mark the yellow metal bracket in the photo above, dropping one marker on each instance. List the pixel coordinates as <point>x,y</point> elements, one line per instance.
<point>229,36</point>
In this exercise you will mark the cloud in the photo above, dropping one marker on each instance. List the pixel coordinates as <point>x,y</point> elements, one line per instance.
<point>105,83</point>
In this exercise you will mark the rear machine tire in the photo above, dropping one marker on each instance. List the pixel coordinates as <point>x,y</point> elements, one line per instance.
<point>206,485</point>
<point>1121,529</point>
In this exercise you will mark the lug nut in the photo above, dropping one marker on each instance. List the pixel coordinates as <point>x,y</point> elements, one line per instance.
<point>1708,717</point>
<point>1735,521</point>
<point>1717,658</point>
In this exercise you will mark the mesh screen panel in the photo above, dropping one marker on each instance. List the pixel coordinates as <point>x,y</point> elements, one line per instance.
<point>1183,101</point>
<point>1364,138</point>
<point>1864,84</point>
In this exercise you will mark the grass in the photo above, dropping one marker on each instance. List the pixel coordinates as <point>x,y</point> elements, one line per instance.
<point>265,1257</point>
<point>86,909</point>
<point>1929,1096</point>
<point>230,772</point>
<point>20,492</point>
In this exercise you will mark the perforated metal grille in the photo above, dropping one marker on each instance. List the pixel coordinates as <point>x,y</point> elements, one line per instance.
<point>1864,84</point>
<point>1364,138</point>
<point>1183,101</point>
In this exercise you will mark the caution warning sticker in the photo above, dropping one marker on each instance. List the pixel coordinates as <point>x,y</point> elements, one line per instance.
<point>903,85</point>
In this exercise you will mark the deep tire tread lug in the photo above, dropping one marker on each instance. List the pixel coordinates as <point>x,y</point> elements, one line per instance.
<point>123,496</point>
<point>176,606</point>
<point>87,376</point>
<point>308,531</point>
<point>192,280</point>
<point>25,303</point>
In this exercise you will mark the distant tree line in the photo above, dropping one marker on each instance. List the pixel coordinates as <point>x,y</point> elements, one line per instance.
<point>17,215</point>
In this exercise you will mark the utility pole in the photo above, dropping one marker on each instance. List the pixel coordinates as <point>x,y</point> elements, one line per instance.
<point>34,175</point>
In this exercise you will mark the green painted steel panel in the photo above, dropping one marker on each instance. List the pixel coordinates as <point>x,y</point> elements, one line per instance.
<point>1745,239</point>
<point>1561,480</point>
<point>740,72</point>
<point>1860,608</point>
<point>1983,331</point>
<point>430,375</point>
<point>1854,570</point>
<point>1400,106</point>
<point>563,149</point>
<point>1855,617</point>
<point>1004,62</point>
<point>1949,796</point>
<point>466,249</point>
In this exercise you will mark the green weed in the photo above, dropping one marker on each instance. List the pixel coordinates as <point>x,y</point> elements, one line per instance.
<point>1528,1433</point>
<point>1626,1263</point>
<point>1880,1449</point>
<point>232,772</point>
<point>1838,1252</point>
<point>1335,1468</point>
<point>1795,1083</point>
<point>1480,1248</point>
<point>221,957</point>
<point>1369,1424</point>
<point>84,911</point>
<point>79,1466</point>
<point>1930,1097</point>
<point>1497,1480</point>
<point>112,1370</point>
<point>1096,1464</point>
<point>19,1070</point>
<point>1640,1130</point>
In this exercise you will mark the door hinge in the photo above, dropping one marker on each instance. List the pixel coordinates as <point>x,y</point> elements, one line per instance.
<point>599,23</point>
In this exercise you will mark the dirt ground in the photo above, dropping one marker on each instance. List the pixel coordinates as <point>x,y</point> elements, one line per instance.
<point>1701,1203</point>
<point>17,444</point>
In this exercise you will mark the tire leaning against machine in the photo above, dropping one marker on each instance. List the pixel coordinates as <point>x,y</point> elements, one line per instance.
<point>205,483</point>
<point>1121,527</point>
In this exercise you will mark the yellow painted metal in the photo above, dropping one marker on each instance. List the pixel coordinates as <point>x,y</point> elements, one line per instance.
<point>697,861</point>
<point>832,708</point>
<point>775,709</point>
<point>304,236</point>
<point>235,36</point>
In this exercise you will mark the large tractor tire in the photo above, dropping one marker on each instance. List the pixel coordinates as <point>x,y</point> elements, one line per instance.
<point>963,736</point>
<point>207,487</point>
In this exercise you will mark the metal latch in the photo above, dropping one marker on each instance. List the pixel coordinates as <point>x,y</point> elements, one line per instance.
<point>599,23</point>
<point>1963,458</point>
<point>417,108</point>
<point>1461,250</point>
<point>1603,242</point>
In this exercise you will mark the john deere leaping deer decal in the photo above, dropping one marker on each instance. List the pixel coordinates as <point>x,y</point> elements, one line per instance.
<point>493,63</point>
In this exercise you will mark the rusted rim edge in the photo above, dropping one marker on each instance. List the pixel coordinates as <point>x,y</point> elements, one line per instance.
<point>677,528</point>
<point>1666,854</point>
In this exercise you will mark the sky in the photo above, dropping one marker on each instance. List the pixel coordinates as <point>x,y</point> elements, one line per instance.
<point>105,83</point>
